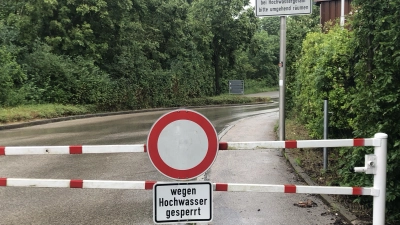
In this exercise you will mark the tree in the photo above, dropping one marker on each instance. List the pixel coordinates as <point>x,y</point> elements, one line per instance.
<point>271,25</point>
<point>264,57</point>
<point>297,29</point>
<point>230,28</point>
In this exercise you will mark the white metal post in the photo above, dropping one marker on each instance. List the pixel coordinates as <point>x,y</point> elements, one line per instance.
<point>342,13</point>
<point>325,133</point>
<point>282,82</point>
<point>380,180</point>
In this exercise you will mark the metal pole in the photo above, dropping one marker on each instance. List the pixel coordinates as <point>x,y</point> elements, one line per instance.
<point>325,133</point>
<point>342,13</point>
<point>282,65</point>
<point>378,217</point>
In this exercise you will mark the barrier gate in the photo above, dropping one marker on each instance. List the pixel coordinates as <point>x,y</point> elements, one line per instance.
<point>374,164</point>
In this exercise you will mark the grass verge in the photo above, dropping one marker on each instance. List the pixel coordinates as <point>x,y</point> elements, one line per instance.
<point>257,86</point>
<point>44,111</point>
<point>27,113</point>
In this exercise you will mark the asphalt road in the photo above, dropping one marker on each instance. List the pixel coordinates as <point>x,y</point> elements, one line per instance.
<point>261,167</point>
<point>89,206</point>
<point>99,206</point>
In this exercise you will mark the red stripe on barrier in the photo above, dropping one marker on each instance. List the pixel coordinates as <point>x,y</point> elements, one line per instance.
<point>76,184</point>
<point>223,146</point>
<point>75,149</point>
<point>221,187</point>
<point>145,148</point>
<point>291,144</point>
<point>3,181</point>
<point>290,188</point>
<point>358,142</point>
<point>2,150</point>
<point>357,191</point>
<point>148,185</point>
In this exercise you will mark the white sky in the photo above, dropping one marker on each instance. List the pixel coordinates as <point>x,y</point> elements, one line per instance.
<point>253,3</point>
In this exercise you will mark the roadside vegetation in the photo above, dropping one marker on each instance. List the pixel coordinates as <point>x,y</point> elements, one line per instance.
<point>126,55</point>
<point>357,70</point>
<point>61,58</point>
<point>26,113</point>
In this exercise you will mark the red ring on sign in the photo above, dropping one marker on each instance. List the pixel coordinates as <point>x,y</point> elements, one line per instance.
<point>161,123</point>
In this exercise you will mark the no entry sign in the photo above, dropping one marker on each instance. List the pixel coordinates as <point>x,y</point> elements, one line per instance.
<point>182,144</point>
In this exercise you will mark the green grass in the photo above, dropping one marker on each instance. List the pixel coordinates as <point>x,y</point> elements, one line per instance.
<point>44,111</point>
<point>257,86</point>
<point>225,99</point>
<point>47,111</point>
<point>259,90</point>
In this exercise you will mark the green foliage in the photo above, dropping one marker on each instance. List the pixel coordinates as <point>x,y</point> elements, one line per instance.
<point>126,54</point>
<point>228,29</point>
<point>257,86</point>
<point>11,79</point>
<point>297,29</point>
<point>62,79</point>
<point>358,71</point>
<point>376,106</point>
<point>264,57</point>
<point>323,73</point>
<point>271,25</point>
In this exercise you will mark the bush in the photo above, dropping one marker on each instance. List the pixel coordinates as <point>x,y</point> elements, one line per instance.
<point>12,78</point>
<point>324,74</point>
<point>62,79</point>
<point>358,72</point>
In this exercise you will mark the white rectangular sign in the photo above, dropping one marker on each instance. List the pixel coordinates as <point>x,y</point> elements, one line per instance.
<point>182,202</point>
<point>283,7</point>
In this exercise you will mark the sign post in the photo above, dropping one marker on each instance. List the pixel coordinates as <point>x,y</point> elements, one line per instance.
<point>282,8</point>
<point>282,79</point>
<point>182,145</point>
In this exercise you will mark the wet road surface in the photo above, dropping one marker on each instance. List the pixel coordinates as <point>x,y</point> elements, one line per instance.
<point>266,166</point>
<point>119,129</point>
<point>90,206</point>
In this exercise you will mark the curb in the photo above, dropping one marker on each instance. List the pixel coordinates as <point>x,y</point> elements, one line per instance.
<point>341,210</point>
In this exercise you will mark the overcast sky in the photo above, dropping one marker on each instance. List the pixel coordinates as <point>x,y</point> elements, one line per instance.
<point>253,2</point>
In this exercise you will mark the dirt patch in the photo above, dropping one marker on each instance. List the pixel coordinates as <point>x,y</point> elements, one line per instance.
<point>311,161</point>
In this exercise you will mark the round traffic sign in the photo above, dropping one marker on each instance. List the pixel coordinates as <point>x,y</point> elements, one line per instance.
<point>182,144</point>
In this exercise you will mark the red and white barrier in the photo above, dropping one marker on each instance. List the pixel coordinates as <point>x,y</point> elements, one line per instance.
<point>299,189</point>
<point>64,183</point>
<point>375,164</point>
<point>72,149</point>
<point>376,142</point>
<point>90,149</point>
<point>148,185</point>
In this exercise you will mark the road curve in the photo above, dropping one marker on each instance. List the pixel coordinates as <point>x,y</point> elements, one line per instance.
<point>260,167</point>
<point>87,206</point>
